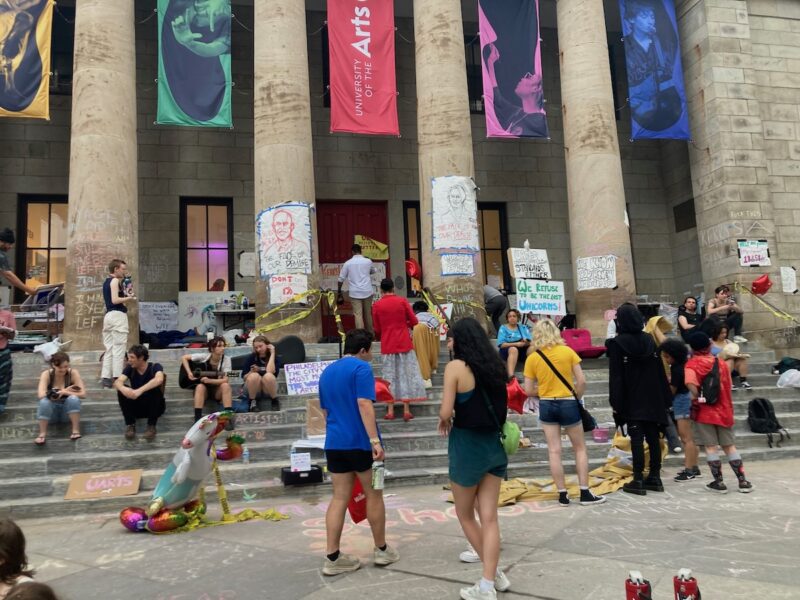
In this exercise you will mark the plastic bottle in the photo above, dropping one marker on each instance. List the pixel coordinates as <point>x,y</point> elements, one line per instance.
<point>378,473</point>
<point>246,455</point>
<point>319,357</point>
<point>245,303</point>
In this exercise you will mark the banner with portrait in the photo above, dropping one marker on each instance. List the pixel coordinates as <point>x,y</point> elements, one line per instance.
<point>284,239</point>
<point>363,85</point>
<point>656,93</point>
<point>194,63</point>
<point>512,68</point>
<point>25,32</point>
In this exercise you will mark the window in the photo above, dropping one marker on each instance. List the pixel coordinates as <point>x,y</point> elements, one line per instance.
<point>684,216</point>
<point>61,50</point>
<point>493,236</point>
<point>472,50</point>
<point>207,243</point>
<point>43,249</point>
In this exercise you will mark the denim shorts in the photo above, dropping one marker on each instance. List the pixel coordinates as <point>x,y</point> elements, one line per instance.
<point>57,412</point>
<point>682,406</point>
<point>564,412</point>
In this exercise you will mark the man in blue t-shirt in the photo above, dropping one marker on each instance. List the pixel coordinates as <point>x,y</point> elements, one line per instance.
<point>352,442</point>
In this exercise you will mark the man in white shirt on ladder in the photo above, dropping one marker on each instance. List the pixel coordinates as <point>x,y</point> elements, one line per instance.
<point>356,272</point>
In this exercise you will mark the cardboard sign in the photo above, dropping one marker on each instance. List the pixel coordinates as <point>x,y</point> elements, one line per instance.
<point>540,297</point>
<point>596,272</point>
<point>528,263</point>
<point>300,461</point>
<point>315,418</point>
<point>158,316</point>
<point>104,485</point>
<point>303,378</point>
<point>753,253</point>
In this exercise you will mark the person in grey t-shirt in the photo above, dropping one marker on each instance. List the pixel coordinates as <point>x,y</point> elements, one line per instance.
<point>496,303</point>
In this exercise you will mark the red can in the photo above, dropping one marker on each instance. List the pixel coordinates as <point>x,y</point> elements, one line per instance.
<point>637,587</point>
<point>685,586</point>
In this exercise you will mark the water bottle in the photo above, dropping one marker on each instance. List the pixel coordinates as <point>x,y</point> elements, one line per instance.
<point>246,455</point>
<point>319,357</point>
<point>245,303</point>
<point>378,473</point>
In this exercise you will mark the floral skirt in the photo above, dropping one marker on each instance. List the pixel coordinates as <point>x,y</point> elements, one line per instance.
<point>402,372</point>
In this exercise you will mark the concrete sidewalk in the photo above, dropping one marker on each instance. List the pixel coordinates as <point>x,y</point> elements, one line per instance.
<point>739,546</point>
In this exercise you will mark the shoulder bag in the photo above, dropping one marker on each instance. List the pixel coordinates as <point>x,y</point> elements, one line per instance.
<point>509,431</point>
<point>589,422</point>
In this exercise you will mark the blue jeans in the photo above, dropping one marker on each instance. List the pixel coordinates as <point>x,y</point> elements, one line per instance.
<point>58,412</point>
<point>559,412</point>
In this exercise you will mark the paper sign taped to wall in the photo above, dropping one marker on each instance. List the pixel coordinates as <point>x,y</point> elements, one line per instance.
<point>541,297</point>
<point>528,263</point>
<point>789,280</point>
<point>284,239</point>
<point>458,264</point>
<point>596,272</point>
<point>283,287</point>
<point>372,249</point>
<point>158,316</point>
<point>753,253</point>
<point>247,264</point>
<point>104,485</point>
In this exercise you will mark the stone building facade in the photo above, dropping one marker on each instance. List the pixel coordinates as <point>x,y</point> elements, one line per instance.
<point>687,204</point>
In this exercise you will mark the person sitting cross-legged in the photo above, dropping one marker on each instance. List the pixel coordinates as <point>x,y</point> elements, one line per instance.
<point>140,392</point>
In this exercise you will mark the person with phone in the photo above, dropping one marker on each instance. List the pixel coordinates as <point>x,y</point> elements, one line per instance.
<point>260,374</point>
<point>723,308</point>
<point>60,391</point>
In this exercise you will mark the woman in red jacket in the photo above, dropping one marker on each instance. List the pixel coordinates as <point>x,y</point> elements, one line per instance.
<point>393,320</point>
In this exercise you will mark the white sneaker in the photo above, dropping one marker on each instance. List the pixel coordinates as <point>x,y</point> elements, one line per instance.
<point>344,564</point>
<point>475,593</point>
<point>427,383</point>
<point>739,339</point>
<point>386,557</point>
<point>469,555</point>
<point>501,582</point>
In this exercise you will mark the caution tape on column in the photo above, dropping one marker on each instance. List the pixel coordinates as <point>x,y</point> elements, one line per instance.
<point>777,312</point>
<point>329,295</point>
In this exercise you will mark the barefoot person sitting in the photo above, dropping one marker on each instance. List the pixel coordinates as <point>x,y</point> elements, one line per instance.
<point>140,392</point>
<point>60,391</point>
<point>260,374</point>
<point>206,387</point>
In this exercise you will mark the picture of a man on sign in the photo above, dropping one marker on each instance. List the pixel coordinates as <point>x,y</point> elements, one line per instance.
<point>284,239</point>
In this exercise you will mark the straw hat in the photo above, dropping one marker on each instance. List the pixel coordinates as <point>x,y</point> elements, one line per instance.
<point>731,350</point>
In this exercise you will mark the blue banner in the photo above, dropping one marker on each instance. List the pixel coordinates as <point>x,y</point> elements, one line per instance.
<point>656,94</point>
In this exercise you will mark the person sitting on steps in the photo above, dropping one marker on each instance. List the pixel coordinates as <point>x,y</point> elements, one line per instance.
<point>140,392</point>
<point>514,340</point>
<point>217,388</point>
<point>60,391</point>
<point>260,373</point>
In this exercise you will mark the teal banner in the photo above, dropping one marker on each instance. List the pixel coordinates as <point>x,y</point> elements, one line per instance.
<point>194,63</point>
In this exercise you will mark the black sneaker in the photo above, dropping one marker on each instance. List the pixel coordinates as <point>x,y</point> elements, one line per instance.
<point>696,471</point>
<point>717,486</point>
<point>635,487</point>
<point>563,499</point>
<point>653,484</point>
<point>745,486</point>
<point>254,406</point>
<point>588,498</point>
<point>275,404</point>
<point>685,475</point>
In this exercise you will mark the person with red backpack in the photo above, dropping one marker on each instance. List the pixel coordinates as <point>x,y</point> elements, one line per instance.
<point>709,381</point>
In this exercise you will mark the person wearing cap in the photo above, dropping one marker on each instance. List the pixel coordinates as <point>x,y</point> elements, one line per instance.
<point>6,242</point>
<point>713,423</point>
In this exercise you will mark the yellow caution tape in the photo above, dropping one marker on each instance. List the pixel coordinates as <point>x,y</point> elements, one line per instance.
<point>293,318</point>
<point>772,309</point>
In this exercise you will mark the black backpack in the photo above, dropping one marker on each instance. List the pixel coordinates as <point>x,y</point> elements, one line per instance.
<point>761,419</point>
<point>710,386</point>
<point>786,363</point>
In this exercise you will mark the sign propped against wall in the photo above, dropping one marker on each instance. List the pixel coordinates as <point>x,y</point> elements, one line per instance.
<point>541,297</point>
<point>528,263</point>
<point>104,485</point>
<point>753,253</point>
<point>455,213</point>
<point>158,316</point>
<point>596,273</point>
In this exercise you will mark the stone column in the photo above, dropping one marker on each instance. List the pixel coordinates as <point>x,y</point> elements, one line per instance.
<point>728,158</point>
<point>444,136</point>
<point>103,193</point>
<point>284,162</point>
<point>597,222</point>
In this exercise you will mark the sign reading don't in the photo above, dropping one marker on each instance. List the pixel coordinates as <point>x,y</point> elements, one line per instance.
<point>104,485</point>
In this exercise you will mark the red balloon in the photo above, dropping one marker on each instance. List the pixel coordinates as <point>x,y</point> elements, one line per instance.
<point>413,269</point>
<point>761,285</point>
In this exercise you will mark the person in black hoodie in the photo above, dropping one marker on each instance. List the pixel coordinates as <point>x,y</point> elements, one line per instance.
<point>639,394</point>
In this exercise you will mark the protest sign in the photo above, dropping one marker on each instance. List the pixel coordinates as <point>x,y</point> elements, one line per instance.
<point>596,272</point>
<point>753,253</point>
<point>104,485</point>
<point>540,297</point>
<point>303,378</point>
<point>158,316</point>
<point>528,263</point>
<point>457,264</point>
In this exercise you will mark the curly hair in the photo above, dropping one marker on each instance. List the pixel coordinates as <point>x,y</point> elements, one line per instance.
<point>546,334</point>
<point>472,345</point>
<point>13,561</point>
<point>676,349</point>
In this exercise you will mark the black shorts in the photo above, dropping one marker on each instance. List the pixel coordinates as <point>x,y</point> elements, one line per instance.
<point>349,461</point>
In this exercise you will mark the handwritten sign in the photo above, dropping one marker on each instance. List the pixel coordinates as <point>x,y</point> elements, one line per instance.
<point>455,213</point>
<point>789,280</point>
<point>104,485</point>
<point>158,316</point>
<point>329,277</point>
<point>753,253</point>
<point>528,263</point>
<point>372,249</point>
<point>303,378</point>
<point>596,272</point>
<point>283,287</point>
<point>300,461</point>
<point>541,298</point>
<point>458,264</point>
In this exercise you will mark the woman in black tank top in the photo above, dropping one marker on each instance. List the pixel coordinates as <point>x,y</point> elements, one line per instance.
<point>60,390</point>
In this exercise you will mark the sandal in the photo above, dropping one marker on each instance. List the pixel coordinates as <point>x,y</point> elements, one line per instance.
<point>75,436</point>
<point>389,417</point>
<point>40,441</point>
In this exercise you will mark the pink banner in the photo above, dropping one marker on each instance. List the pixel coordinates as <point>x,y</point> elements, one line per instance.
<point>361,48</point>
<point>512,68</point>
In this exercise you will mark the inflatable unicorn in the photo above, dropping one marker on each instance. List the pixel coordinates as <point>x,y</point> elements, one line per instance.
<point>173,502</point>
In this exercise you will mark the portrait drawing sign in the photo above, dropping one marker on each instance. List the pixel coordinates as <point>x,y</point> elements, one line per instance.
<point>284,239</point>
<point>656,93</point>
<point>455,213</point>
<point>512,68</point>
<point>194,63</point>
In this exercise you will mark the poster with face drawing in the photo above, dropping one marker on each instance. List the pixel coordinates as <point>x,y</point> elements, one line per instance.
<point>455,213</point>
<point>284,239</point>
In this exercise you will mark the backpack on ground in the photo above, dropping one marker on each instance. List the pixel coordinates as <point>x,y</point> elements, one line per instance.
<point>785,364</point>
<point>761,419</point>
<point>710,387</point>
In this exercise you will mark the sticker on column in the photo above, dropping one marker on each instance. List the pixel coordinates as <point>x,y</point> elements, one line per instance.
<point>458,264</point>
<point>284,239</point>
<point>455,213</point>
<point>283,288</point>
<point>596,273</point>
<point>528,263</point>
<point>789,280</point>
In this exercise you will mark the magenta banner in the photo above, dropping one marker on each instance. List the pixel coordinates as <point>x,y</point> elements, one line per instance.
<point>512,68</point>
